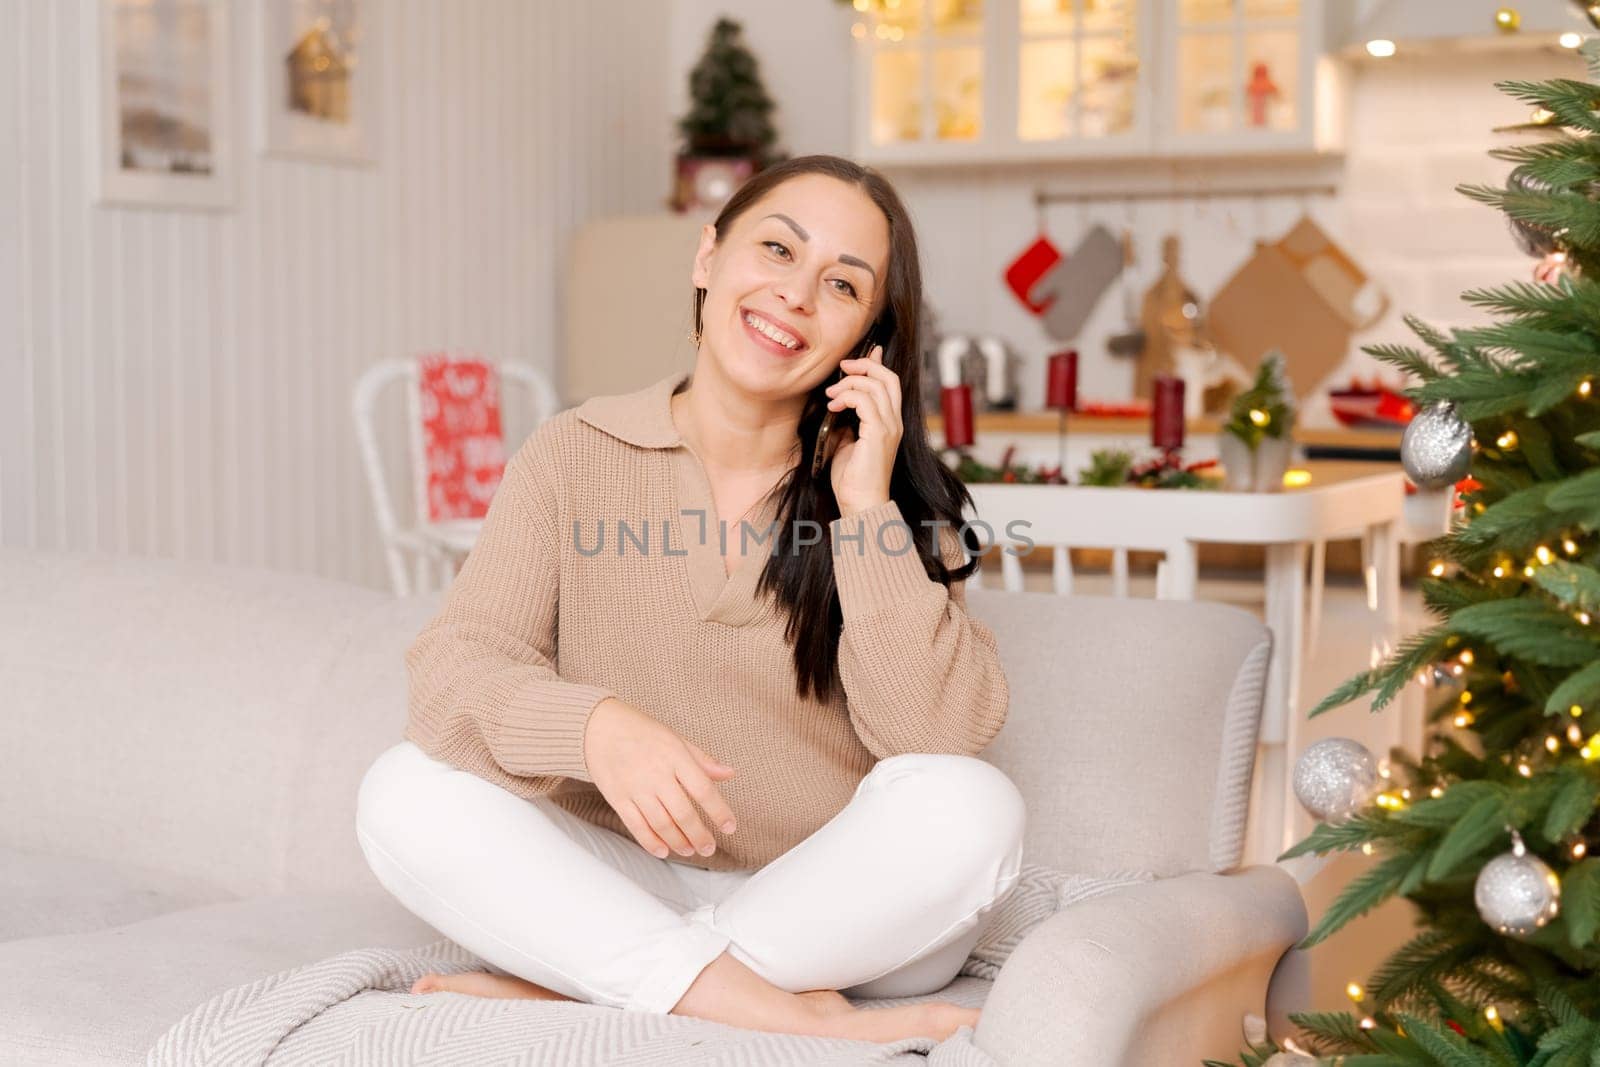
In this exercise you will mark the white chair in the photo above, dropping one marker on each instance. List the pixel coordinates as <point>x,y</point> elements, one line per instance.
<point>1174,522</point>
<point>1428,514</point>
<point>436,547</point>
<point>1055,525</point>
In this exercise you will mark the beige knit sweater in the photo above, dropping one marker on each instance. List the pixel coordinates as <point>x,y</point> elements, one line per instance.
<point>538,628</point>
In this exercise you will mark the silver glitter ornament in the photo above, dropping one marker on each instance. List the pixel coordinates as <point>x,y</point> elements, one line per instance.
<point>1436,449</point>
<point>1334,778</point>
<point>1517,893</point>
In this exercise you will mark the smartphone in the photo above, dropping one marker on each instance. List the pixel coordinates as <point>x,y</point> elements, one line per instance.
<point>834,422</point>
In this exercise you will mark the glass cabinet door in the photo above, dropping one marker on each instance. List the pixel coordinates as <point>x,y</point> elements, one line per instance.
<point>1017,80</point>
<point>926,68</point>
<point>1077,69</point>
<point>1238,67</point>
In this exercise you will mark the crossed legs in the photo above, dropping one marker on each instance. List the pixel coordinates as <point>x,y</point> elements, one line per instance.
<point>886,899</point>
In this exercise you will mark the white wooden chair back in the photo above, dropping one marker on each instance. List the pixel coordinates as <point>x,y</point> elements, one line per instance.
<point>1059,519</point>
<point>400,539</point>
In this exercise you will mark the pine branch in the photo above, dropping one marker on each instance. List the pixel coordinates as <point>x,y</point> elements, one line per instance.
<point>1353,832</point>
<point>1482,825</point>
<point>1329,1031</point>
<point>1575,585</point>
<point>1406,358</point>
<point>1580,689</point>
<point>1579,496</point>
<point>1451,806</point>
<point>1571,215</point>
<point>1571,101</point>
<point>1388,678</point>
<point>1580,900</point>
<point>1529,629</point>
<point>1428,957</point>
<point>1363,894</point>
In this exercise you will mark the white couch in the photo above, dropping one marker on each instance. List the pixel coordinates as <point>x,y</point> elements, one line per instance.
<point>180,747</point>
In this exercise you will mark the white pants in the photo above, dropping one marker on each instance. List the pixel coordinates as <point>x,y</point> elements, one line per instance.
<point>886,899</point>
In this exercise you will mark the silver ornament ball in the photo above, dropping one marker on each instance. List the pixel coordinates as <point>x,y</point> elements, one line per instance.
<point>1436,449</point>
<point>1334,778</point>
<point>1517,893</point>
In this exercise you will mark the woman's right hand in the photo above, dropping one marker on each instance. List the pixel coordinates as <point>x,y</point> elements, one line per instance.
<point>647,773</point>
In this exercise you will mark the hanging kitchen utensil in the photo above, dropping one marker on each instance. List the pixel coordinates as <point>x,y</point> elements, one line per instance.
<point>1131,341</point>
<point>1070,290</point>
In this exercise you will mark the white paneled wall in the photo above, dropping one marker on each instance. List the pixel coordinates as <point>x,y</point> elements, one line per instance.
<point>177,383</point>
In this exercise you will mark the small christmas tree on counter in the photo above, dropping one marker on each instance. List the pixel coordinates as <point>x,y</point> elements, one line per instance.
<point>730,113</point>
<point>1489,832</point>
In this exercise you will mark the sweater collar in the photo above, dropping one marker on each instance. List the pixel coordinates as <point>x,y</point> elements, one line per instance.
<point>642,417</point>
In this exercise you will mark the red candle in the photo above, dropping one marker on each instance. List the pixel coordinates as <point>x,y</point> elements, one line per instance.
<point>1166,415</point>
<point>955,401</point>
<point>1061,391</point>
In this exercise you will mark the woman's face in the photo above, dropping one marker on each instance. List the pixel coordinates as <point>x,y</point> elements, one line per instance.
<point>794,284</point>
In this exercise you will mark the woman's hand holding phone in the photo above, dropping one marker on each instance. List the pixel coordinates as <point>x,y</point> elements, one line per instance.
<point>864,460</point>
<point>648,774</point>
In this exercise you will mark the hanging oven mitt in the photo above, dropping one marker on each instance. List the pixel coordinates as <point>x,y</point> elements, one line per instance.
<point>1026,270</point>
<point>1070,290</point>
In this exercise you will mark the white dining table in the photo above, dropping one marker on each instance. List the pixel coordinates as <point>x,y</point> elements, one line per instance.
<point>1286,524</point>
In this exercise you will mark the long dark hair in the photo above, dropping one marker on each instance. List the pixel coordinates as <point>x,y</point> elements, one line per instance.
<point>925,489</point>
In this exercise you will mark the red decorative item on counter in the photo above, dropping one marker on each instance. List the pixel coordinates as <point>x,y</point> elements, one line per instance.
<point>1166,417</point>
<point>1061,388</point>
<point>955,403</point>
<point>1122,409</point>
<point>1374,406</point>
<point>462,442</point>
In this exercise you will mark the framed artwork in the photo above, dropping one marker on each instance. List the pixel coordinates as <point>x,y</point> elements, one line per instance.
<point>159,123</point>
<point>316,74</point>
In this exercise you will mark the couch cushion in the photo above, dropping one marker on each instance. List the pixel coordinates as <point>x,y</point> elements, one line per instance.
<point>214,721</point>
<point>1132,730</point>
<point>106,997</point>
<point>43,894</point>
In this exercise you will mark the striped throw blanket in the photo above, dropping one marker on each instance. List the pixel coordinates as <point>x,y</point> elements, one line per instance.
<point>355,1008</point>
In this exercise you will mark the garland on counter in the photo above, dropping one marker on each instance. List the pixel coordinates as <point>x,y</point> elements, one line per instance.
<point>1107,467</point>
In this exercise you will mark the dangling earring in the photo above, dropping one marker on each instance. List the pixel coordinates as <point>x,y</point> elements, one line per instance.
<point>823,429</point>
<point>699,302</point>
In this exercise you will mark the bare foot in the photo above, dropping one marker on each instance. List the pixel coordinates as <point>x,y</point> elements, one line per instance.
<point>937,1020</point>
<point>484,984</point>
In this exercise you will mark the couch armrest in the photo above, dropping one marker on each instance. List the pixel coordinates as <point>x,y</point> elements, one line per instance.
<point>1156,973</point>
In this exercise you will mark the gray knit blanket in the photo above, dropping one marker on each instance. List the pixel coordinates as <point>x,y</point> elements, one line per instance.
<point>355,1008</point>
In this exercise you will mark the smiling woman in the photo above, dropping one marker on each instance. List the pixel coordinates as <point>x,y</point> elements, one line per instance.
<point>810,263</point>
<point>532,811</point>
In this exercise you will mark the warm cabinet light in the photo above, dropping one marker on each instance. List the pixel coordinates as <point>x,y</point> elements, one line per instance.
<point>1380,48</point>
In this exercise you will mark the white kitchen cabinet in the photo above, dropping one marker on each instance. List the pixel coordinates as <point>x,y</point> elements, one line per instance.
<point>985,81</point>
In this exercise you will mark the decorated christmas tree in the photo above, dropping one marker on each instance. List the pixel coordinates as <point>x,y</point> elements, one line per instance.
<point>730,111</point>
<point>1489,831</point>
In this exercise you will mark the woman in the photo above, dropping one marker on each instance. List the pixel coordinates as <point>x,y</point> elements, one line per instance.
<point>726,564</point>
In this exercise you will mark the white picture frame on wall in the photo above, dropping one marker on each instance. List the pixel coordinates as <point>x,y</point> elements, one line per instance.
<point>160,119</point>
<point>316,71</point>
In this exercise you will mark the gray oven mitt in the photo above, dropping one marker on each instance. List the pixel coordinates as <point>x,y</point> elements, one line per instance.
<point>1077,282</point>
